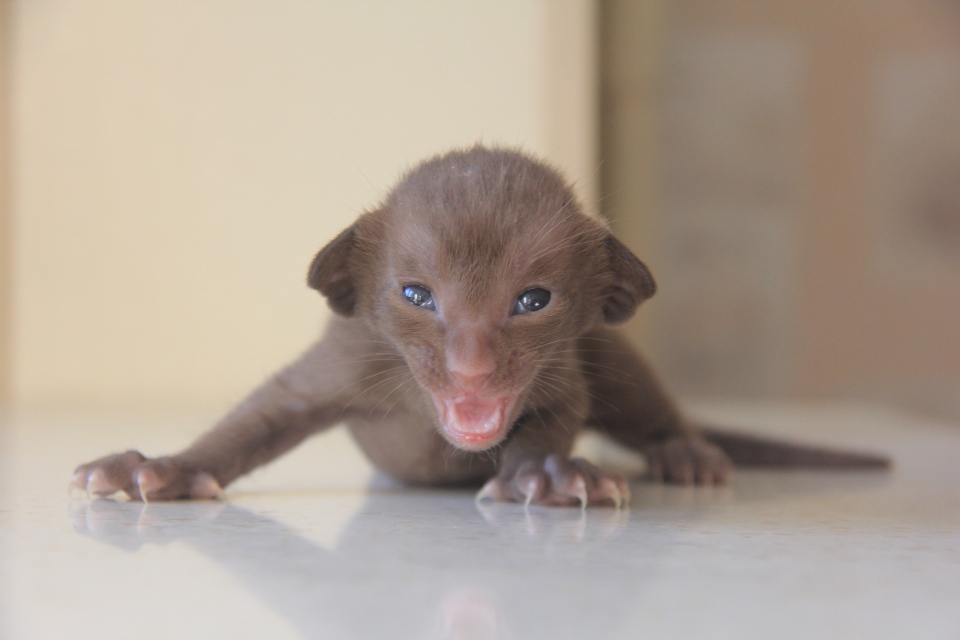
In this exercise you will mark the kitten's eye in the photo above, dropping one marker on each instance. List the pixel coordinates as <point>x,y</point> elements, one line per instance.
<point>419,296</point>
<point>531,300</point>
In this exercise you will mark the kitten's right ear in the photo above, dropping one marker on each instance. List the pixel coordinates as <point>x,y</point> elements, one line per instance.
<point>330,272</point>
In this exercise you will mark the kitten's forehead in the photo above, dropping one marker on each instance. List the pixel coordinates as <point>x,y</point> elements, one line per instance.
<point>491,210</point>
<point>468,251</point>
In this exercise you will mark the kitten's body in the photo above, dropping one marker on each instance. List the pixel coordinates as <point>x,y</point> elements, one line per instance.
<point>473,346</point>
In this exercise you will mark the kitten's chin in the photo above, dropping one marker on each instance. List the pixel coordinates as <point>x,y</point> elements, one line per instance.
<point>472,422</point>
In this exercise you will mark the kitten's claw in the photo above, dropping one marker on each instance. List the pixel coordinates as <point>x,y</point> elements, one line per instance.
<point>206,487</point>
<point>578,488</point>
<point>146,482</point>
<point>78,481</point>
<point>609,485</point>
<point>532,486</point>
<point>492,490</point>
<point>98,485</point>
<point>558,481</point>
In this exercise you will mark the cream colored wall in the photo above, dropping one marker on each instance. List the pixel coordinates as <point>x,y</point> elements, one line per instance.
<point>176,164</point>
<point>6,242</point>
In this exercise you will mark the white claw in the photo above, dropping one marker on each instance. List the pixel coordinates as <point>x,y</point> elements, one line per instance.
<point>77,484</point>
<point>617,498</point>
<point>612,488</point>
<point>97,484</point>
<point>580,491</point>
<point>78,480</point>
<point>206,487</point>
<point>530,489</point>
<point>142,488</point>
<point>489,491</point>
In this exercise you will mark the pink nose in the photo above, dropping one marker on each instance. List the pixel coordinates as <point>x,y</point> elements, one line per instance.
<point>470,382</point>
<point>471,357</point>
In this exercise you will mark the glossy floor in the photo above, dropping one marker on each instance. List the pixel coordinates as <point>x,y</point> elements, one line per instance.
<point>316,547</point>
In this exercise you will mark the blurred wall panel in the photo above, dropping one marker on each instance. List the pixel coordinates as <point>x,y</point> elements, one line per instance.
<point>631,76</point>
<point>178,163</point>
<point>731,177</point>
<point>807,229</point>
<point>913,258</point>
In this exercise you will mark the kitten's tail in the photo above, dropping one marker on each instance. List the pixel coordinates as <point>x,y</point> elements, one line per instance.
<point>755,451</point>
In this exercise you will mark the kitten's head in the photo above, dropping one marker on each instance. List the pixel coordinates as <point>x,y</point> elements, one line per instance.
<point>480,266</point>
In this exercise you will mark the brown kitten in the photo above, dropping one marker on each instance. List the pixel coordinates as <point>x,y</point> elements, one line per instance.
<point>472,345</point>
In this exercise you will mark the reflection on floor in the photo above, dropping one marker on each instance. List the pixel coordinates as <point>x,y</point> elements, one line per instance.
<point>310,550</point>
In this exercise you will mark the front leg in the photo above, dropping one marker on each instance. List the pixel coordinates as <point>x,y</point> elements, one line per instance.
<point>629,404</point>
<point>272,420</point>
<point>536,468</point>
<point>308,396</point>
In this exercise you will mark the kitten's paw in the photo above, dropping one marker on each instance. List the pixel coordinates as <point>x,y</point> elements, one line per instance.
<point>144,479</point>
<point>688,460</point>
<point>560,482</point>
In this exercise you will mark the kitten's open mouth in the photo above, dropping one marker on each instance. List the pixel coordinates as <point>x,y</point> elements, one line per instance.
<point>472,422</point>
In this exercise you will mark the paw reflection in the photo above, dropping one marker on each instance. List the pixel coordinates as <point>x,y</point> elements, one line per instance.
<point>554,525</point>
<point>408,564</point>
<point>468,614</point>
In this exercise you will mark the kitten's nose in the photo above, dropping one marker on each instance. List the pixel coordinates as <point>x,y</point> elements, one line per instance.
<point>471,357</point>
<point>470,382</point>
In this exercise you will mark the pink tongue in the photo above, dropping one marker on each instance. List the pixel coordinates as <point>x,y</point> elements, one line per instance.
<point>474,415</point>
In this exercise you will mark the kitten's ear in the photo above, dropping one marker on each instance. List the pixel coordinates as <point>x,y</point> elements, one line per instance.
<point>330,272</point>
<point>632,283</point>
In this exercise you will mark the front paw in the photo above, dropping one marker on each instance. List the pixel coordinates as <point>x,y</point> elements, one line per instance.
<point>688,460</point>
<point>560,482</point>
<point>144,479</point>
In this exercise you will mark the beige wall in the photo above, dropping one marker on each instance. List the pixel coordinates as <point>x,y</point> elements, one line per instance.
<point>175,164</point>
<point>6,309</point>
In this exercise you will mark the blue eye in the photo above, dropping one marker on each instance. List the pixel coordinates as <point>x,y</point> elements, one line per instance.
<point>419,296</point>
<point>531,300</point>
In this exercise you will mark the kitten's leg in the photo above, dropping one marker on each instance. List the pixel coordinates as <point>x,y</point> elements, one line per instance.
<point>629,404</point>
<point>271,421</point>
<point>306,397</point>
<point>535,467</point>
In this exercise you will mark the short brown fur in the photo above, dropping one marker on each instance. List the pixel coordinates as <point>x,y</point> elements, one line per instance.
<point>477,228</point>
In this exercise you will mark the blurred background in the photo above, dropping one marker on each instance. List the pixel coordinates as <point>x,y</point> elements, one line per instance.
<point>789,170</point>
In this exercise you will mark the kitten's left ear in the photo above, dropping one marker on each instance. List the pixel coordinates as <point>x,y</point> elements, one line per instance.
<point>330,272</point>
<point>632,283</point>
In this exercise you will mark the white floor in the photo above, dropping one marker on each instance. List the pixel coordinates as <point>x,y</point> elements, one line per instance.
<point>306,549</point>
